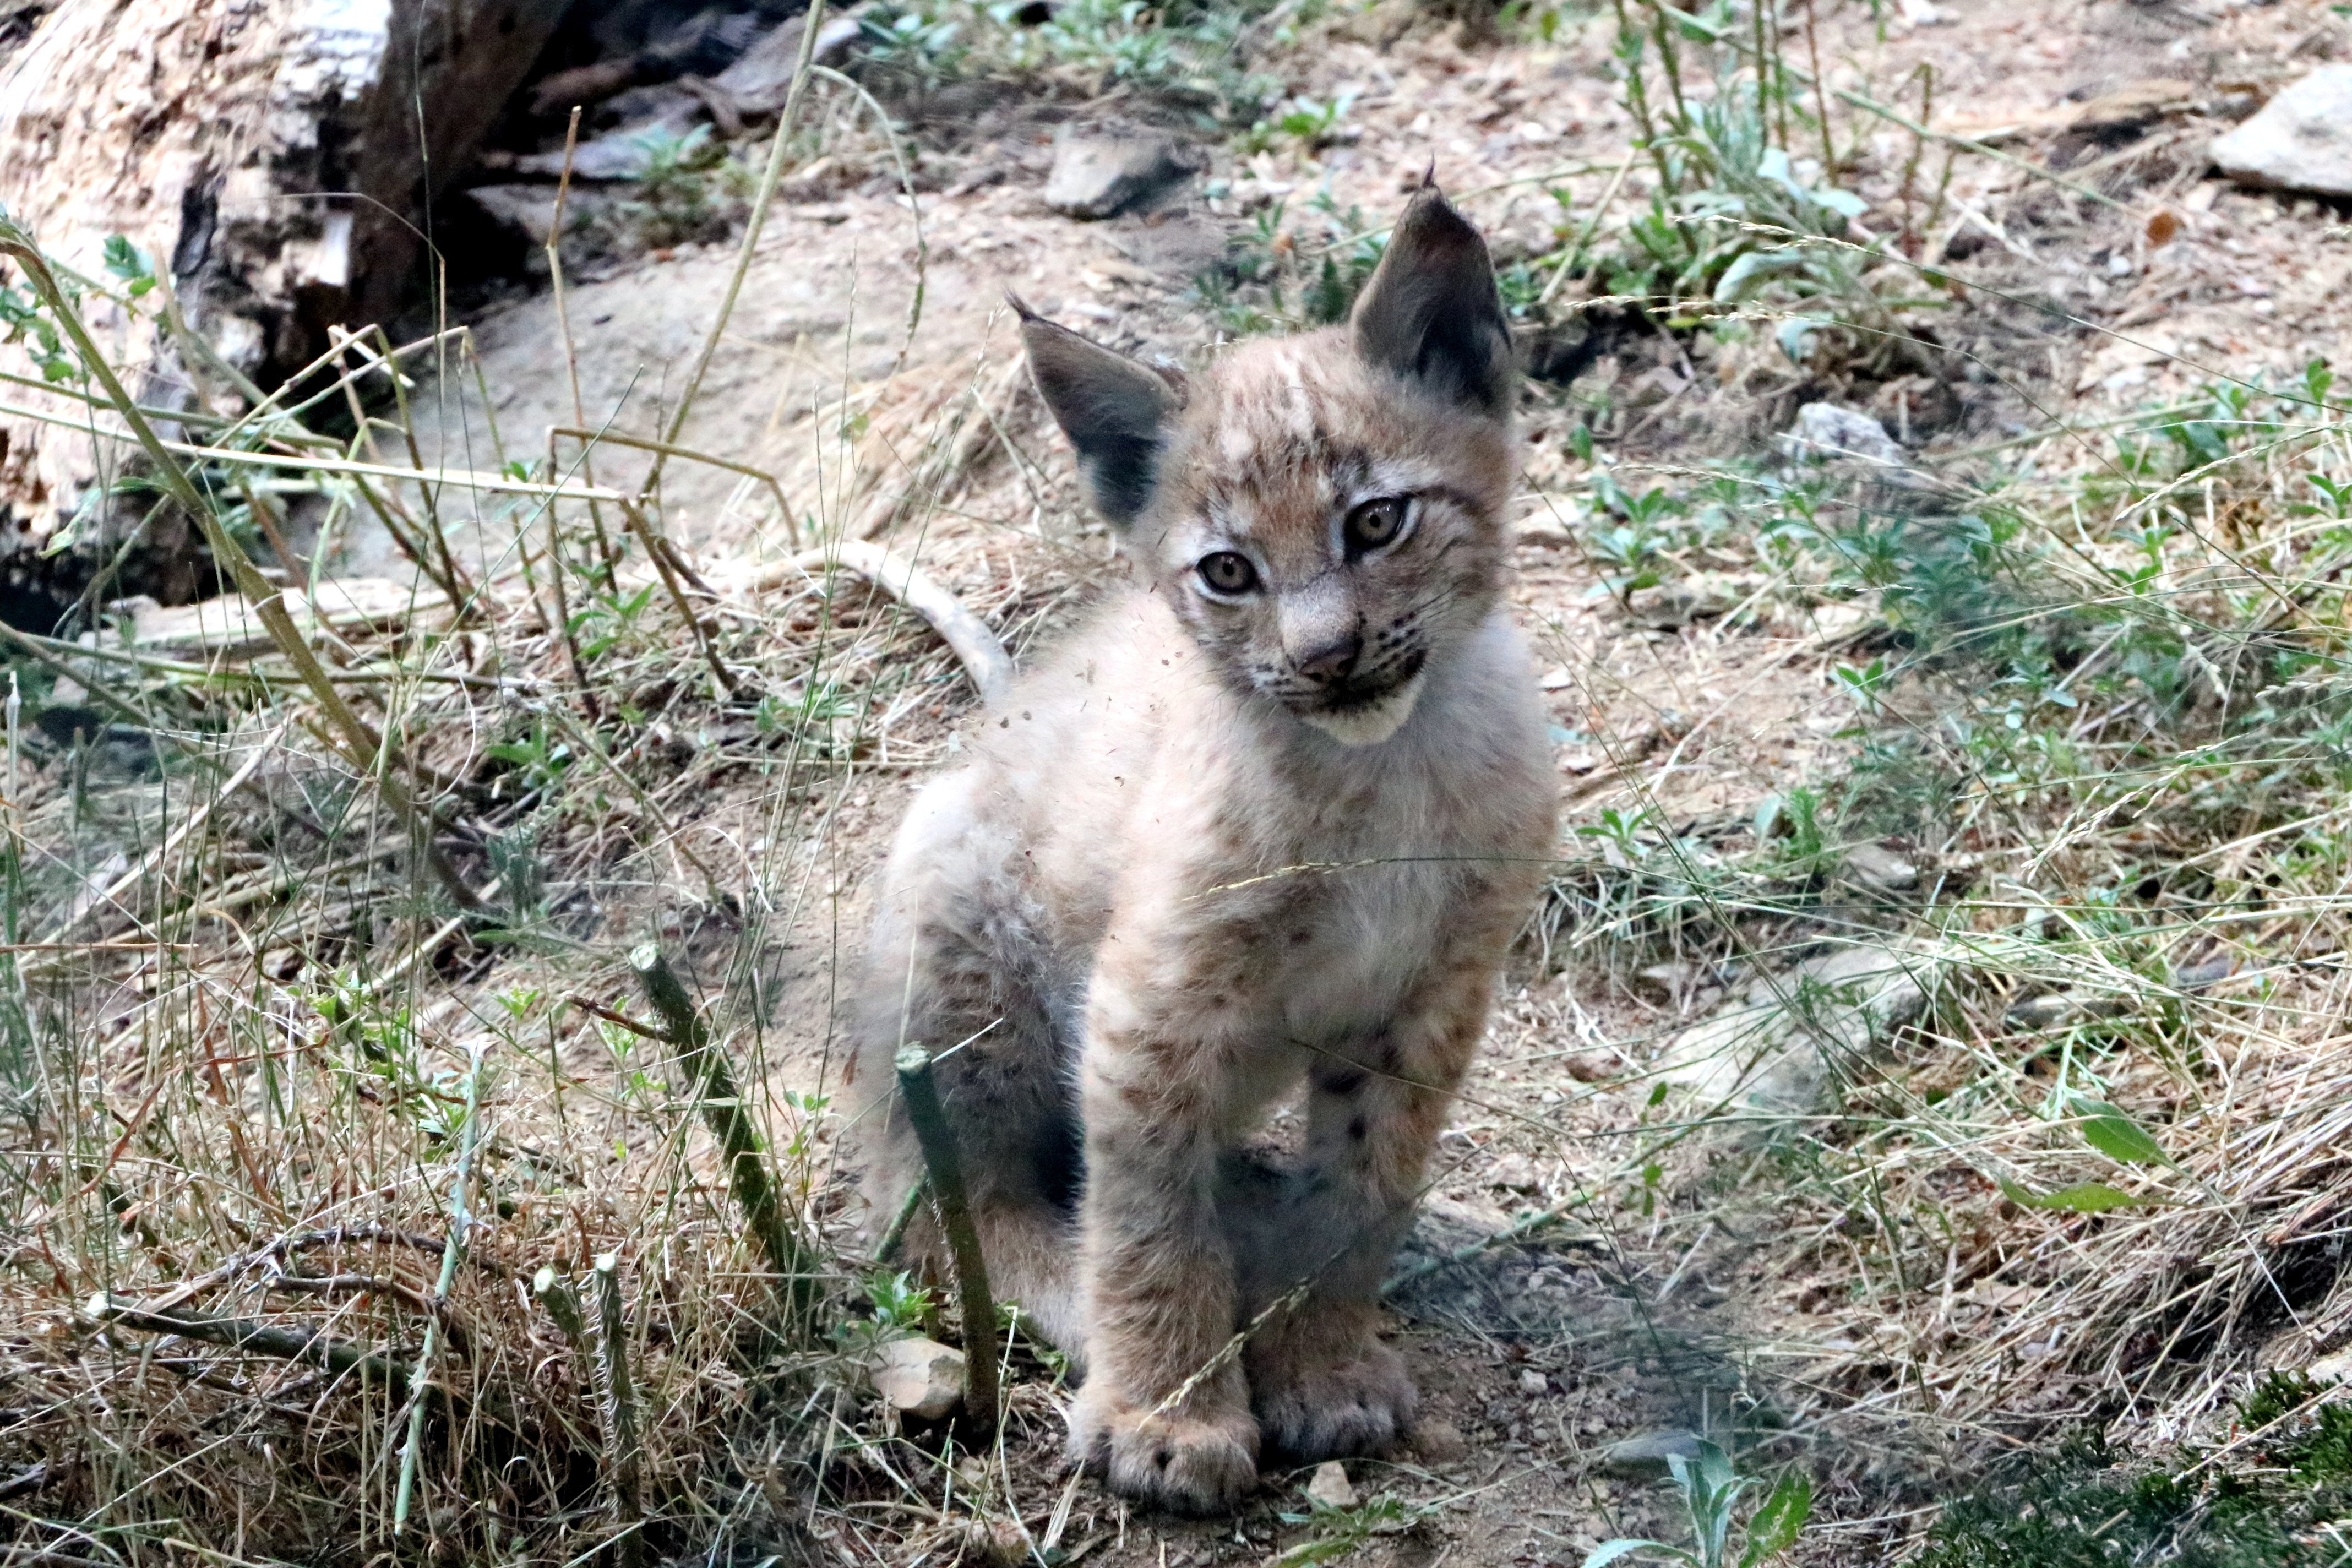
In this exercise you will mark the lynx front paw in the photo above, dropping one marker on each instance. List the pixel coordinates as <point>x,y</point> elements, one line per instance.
<point>1193,1464</point>
<point>1353,1397</point>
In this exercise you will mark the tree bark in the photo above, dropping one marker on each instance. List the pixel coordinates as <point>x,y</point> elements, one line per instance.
<point>276,159</point>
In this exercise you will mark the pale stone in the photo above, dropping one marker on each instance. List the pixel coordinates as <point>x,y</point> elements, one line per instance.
<point>1773,1048</point>
<point>921,1379</point>
<point>1331,1487</point>
<point>1875,865</point>
<point>2300,140</point>
<point>1826,430</point>
<point>1099,174</point>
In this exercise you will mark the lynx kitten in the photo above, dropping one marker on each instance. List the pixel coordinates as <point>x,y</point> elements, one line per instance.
<point>1274,814</point>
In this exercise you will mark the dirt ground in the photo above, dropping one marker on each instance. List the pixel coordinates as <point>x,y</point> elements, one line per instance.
<point>1631,1315</point>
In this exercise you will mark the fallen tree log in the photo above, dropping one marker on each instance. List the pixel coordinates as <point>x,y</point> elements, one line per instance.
<point>273,161</point>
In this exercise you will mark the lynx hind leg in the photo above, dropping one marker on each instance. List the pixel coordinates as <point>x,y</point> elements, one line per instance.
<point>956,965</point>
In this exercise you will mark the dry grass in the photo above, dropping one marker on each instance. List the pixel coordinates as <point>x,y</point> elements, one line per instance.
<point>350,1112</point>
<point>2099,1178</point>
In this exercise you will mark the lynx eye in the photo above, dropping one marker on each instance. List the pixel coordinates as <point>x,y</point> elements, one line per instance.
<point>1228,572</point>
<point>1377,524</point>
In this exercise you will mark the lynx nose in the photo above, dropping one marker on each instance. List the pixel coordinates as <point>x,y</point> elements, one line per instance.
<point>1321,632</point>
<point>1333,661</point>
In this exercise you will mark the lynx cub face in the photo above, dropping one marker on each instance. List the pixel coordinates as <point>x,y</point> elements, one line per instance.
<point>1100,924</point>
<point>1326,540</point>
<point>1324,513</point>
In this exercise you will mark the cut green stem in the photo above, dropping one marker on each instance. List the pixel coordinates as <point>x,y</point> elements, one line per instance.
<point>937,1140</point>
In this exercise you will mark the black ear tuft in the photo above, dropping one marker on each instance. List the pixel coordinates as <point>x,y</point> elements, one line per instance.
<point>1114,412</point>
<point>1431,313</point>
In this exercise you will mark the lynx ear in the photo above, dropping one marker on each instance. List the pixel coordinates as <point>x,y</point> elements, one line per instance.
<point>1114,412</point>
<point>1431,313</point>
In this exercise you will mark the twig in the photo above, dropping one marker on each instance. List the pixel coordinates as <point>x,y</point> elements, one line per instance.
<point>312,1347</point>
<point>615,1016</point>
<point>378,1285</point>
<point>590,439</point>
<point>930,1120</point>
<point>644,529</point>
<point>729,1121</point>
<point>428,494</point>
<point>562,1305</point>
<point>619,1404</point>
<point>571,348</point>
<point>453,1252</point>
<point>895,1232</point>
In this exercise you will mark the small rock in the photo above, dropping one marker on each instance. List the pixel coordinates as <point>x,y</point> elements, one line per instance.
<point>2053,1008</point>
<point>1701,596</point>
<point>980,179</point>
<point>1646,1454</point>
<point>1825,431</point>
<point>2301,140</point>
<point>1515,1173</point>
<point>1329,1486</point>
<point>1439,1442</point>
<point>1534,1384</point>
<point>2334,1367</point>
<point>1100,173</point>
<point>1592,1067</point>
<point>1875,865</point>
<point>996,1542</point>
<point>2209,972</point>
<point>1774,1048</point>
<point>626,153</point>
<point>761,77</point>
<point>921,1379</point>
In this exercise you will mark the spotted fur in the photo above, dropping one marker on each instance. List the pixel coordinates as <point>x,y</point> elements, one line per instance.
<point>1224,842</point>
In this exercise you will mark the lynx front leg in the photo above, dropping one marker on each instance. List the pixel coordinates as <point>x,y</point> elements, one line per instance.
<point>1157,1414</point>
<point>1324,1383</point>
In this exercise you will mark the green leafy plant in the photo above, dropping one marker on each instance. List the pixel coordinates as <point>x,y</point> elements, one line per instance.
<point>2079,1504</point>
<point>607,619</point>
<point>1338,1531</point>
<point>1322,261</point>
<point>899,1303</point>
<point>1711,1490</point>
<point>673,199</point>
<point>537,758</point>
<point>127,262</point>
<point>1313,121</point>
